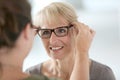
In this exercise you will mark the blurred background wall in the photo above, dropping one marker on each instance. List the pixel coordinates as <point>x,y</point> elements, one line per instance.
<point>101,15</point>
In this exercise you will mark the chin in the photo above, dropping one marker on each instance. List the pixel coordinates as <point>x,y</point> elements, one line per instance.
<point>57,57</point>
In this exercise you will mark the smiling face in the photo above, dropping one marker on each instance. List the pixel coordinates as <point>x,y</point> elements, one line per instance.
<point>57,47</point>
<point>52,17</point>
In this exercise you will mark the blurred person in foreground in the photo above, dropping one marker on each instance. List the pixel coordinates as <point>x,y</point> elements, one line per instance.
<point>16,39</point>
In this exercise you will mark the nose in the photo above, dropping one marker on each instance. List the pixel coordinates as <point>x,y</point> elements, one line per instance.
<point>53,38</point>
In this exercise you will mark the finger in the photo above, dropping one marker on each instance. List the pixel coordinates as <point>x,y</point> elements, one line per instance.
<point>53,70</point>
<point>57,68</point>
<point>92,33</point>
<point>81,27</point>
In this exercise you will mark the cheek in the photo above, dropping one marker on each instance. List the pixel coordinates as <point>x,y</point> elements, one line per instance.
<point>67,42</point>
<point>70,42</point>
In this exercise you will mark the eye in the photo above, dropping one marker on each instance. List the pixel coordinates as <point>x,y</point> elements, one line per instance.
<point>45,32</point>
<point>61,30</point>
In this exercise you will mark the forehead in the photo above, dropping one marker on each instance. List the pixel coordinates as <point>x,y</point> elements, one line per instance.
<point>60,21</point>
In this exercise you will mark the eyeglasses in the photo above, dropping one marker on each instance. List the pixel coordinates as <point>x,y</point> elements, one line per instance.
<point>60,32</point>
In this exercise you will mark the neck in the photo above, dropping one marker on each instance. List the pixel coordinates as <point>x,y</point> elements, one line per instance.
<point>0,70</point>
<point>11,72</point>
<point>11,57</point>
<point>11,66</point>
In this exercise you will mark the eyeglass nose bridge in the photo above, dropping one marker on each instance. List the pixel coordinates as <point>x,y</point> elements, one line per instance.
<point>53,30</point>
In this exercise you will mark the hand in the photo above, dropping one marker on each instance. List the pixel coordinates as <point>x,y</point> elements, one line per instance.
<point>51,68</point>
<point>83,37</point>
<point>55,68</point>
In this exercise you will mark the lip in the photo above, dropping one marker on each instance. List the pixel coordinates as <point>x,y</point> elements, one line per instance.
<point>56,49</point>
<point>56,53</point>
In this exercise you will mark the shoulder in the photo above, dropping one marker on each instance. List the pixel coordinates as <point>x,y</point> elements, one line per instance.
<point>101,71</point>
<point>35,70</point>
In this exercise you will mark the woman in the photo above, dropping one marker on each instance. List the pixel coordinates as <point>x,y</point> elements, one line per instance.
<point>67,42</point>
<point>16,38</point>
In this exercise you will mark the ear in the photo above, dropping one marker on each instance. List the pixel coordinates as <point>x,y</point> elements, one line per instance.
<point>27,31</point>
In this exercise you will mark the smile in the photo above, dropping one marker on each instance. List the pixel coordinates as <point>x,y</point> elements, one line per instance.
<point>56,48</point>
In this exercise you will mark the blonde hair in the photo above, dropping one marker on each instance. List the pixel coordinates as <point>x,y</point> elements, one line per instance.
<point>51,13</point>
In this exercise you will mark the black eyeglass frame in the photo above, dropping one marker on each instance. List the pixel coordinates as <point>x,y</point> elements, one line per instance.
<point>53,30</point>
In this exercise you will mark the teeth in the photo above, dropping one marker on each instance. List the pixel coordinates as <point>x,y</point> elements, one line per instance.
<point>56,48</point>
